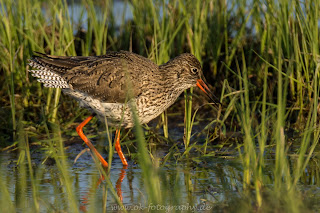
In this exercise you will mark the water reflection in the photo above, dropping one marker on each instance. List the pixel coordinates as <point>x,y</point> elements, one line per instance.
<point>119,182</point>
<point>207,183</point>
<point>179,183</point>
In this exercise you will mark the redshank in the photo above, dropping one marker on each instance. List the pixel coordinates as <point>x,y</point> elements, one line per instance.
<point>107,84</point>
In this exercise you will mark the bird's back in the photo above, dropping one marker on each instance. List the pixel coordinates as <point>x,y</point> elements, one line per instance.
<point>107,78</point>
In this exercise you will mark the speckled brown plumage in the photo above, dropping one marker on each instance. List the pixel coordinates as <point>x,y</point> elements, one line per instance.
<point>107,84</point>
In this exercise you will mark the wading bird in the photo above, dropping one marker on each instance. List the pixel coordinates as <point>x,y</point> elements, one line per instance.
<point>109,85</point>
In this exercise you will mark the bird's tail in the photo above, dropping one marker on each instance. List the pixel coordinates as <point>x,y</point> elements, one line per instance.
<point>49,69</point>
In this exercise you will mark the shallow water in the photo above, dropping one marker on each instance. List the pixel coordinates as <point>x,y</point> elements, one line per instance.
<point>191,185</point>
<point>197,183</point>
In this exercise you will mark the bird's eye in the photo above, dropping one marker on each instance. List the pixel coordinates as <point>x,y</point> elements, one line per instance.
<point>194,70</point>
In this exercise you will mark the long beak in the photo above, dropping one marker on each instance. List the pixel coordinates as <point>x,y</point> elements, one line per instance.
<point>206,90</point>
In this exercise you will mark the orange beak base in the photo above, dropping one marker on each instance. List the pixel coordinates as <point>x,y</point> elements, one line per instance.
<point>206,90</point>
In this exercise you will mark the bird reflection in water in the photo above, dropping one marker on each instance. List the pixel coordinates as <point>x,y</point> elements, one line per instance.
<point>122,175</point>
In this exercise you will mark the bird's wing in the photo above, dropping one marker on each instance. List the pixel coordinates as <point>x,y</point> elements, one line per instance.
<point>108,77</point>
<point>111,78</point>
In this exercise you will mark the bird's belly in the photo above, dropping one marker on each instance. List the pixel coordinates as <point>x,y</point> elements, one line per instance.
<point>114,112</point>
<point>123,113</point>
<point>119,113</point>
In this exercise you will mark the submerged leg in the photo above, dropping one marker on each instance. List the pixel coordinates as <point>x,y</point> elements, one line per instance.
<point>87,141</point>
<point>118,148</point>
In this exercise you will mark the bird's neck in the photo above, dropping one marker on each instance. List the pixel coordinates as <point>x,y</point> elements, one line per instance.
<point>171,82</point>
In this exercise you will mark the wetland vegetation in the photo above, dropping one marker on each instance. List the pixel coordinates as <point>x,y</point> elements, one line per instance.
<point>257,152</point>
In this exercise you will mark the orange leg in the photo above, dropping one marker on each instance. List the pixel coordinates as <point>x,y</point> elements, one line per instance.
<point>87,141</point>
<point>118,148</point>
